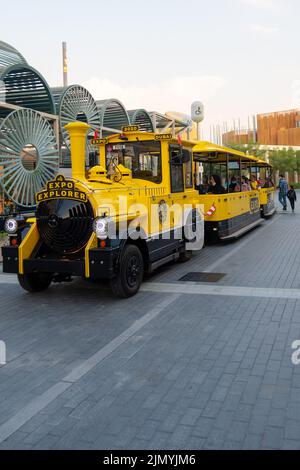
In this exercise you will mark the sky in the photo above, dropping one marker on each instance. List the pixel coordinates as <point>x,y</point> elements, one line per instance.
<point>239,57</point>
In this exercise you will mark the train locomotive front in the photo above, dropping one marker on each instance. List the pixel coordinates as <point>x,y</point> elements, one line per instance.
<point>76,218</point>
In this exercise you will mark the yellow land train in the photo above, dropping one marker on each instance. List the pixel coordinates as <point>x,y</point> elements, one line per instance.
<point>238,210</point>
<point>113,223</point>
<point>268,190</point>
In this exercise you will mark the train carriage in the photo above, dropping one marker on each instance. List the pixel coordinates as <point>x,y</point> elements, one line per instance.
<point>140,207</point>
<point>233,213</point>
<point>267,191</point>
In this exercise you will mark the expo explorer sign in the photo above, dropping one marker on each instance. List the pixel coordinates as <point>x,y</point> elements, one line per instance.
<point>60,188</point>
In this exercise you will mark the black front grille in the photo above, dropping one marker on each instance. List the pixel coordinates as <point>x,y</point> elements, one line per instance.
<point>65,225</point>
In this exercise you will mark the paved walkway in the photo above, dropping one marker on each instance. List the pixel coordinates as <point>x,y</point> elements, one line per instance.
<point>182,365</point>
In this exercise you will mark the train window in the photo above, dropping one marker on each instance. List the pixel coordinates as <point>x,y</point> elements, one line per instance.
<point>187,158</point>
<point>176,168</point>
<point>142,158</point>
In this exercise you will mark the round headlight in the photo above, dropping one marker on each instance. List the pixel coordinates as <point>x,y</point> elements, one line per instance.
<point>11,226</point>
<point>100,227</point>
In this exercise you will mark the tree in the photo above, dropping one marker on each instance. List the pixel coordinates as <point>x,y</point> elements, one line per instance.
<point>282,160</point>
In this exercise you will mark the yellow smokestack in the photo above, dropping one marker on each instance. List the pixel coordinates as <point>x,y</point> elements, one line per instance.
<point>78,133</point>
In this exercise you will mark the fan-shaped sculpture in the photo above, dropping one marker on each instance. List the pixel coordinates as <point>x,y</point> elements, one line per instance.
<point>26,87</point>
<point>113,115</point>
<point>75,103</point>
<point>142,118</point>
<point>28,155</point>
<point>9,55</point>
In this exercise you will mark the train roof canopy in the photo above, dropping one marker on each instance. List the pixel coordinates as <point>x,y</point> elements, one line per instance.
<point>207,152</point>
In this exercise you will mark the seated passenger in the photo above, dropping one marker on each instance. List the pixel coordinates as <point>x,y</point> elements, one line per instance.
<point>245,184</point>
<point>253,183</point>
<point>202,187</point>
<point>234,186</point>
<point>260,183</point>
<point>216,186</point>
<point>269,183</point>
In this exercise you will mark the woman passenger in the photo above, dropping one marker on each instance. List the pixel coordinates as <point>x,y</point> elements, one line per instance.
<point>234,186</point>
<point>216,185</point>
<point>245,184</point>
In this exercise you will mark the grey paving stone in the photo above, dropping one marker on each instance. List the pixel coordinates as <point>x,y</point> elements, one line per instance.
<point>203,427</point>
<point>191,416</point>
<point>252,442</point>
<point>208,372</point>
<point>291,445</point>
<point>277,418</point>
<point>243,412</point>
<point>212,409</point>
<point>292,430</point>
<point>238,431</point>
<point>180,436</point>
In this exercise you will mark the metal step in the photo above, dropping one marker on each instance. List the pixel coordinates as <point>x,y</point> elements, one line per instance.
<point>243,230</point>
<point>161,262</point>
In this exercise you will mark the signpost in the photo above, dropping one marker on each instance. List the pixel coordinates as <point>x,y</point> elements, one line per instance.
<point>197,113</point>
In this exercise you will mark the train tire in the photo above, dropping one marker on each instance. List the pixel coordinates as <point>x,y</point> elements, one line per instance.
<point>35,282</point>
<point>129,279</point>
<point>185,256</point>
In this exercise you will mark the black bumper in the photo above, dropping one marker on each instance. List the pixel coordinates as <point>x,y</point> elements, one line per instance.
<point>10,256</point>
<point>102,263</point>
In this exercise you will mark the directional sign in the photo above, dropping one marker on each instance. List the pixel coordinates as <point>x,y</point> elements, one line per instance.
<point>97,142</point>
<point>130,128</point>
<point>197,111</point>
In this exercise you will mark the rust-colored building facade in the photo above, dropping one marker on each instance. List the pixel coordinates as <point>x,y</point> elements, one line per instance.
<point>280,128</point>
<point>238,138</point>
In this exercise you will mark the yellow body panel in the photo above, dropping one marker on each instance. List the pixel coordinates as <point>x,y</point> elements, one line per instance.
<point>28,245</point>
<point>91,244</point>
<point>265,194</point>
<point>230,205</point>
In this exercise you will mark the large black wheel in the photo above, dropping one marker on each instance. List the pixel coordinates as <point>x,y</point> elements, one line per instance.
<point>185,256</point>
<point>128,281</point>
<point>35,282</point>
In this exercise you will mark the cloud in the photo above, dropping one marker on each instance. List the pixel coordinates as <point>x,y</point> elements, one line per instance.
<point>263,29</point>
<point>176,93</point>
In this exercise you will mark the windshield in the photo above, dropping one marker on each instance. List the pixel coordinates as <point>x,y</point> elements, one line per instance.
<point>142,158</point>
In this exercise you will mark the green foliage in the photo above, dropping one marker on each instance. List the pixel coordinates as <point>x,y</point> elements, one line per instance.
<point>283,160</point>
<point>251,149</point>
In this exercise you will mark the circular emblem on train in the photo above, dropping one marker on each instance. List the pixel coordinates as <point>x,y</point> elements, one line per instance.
<point>53,221</point>
<point>162,211</point>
